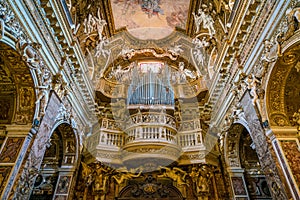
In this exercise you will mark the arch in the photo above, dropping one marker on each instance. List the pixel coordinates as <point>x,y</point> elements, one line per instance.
<point>17,93</point>
<point>59,161</point>
<point>70,129</point>
<point>151,189</point>
<point>247,178</point>
<point>283,84</point>
<point>282,108</point>
<point>255,179</point>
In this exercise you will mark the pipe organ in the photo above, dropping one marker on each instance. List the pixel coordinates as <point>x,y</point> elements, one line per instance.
<point>155,123</point>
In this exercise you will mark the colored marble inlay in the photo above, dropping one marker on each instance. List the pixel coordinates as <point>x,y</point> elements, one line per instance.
<point>238,186</point>
<point>60,197</point>
<point>292,154</point>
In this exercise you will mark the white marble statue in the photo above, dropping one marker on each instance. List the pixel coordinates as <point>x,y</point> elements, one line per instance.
<point>44,88</point>
<point>100,48</point>
<point>207,21</point>
<point>182,74</point>
<point>199,50</point>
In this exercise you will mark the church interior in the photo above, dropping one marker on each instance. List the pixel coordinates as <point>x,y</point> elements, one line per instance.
<point>150,99</point>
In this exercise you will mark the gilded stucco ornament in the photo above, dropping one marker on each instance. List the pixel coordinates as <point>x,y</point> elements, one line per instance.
<point>296,120</point>
<point>202,176</point>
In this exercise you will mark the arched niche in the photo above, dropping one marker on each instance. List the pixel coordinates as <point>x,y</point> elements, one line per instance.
<point>56,173</point>
<point>17,94</point>
<point>282,103</point>
<point>254,177</point>
<point>247,179</point>
<point>17,110</point>
<point>283,89</point>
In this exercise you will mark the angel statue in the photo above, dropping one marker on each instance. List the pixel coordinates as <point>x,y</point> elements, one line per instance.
<point>208,22</point>
<point>183,73</point>
<point>176,174</point>
<point>175,50</point>
<point>178,177</point>
<point>123,175</point>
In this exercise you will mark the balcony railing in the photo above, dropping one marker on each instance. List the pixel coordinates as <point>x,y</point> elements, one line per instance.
<point>151,134</point>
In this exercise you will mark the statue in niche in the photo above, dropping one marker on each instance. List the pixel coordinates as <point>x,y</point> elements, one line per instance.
<point>70,147</point>
<point>206,19</point>
<point>44,88</point>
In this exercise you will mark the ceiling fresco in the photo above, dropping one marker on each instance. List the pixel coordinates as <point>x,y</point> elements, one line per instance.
<point>150,19</point>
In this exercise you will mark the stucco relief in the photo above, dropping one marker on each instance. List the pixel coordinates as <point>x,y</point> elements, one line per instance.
<point>232,145</point>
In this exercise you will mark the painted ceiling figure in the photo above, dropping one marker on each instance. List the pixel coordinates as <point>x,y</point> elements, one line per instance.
<point>151,7</point>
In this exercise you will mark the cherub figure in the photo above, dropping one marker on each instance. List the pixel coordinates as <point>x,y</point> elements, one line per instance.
<point>124,175</point>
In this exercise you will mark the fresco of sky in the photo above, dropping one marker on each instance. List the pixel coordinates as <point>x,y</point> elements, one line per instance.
<point>150,19</point>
